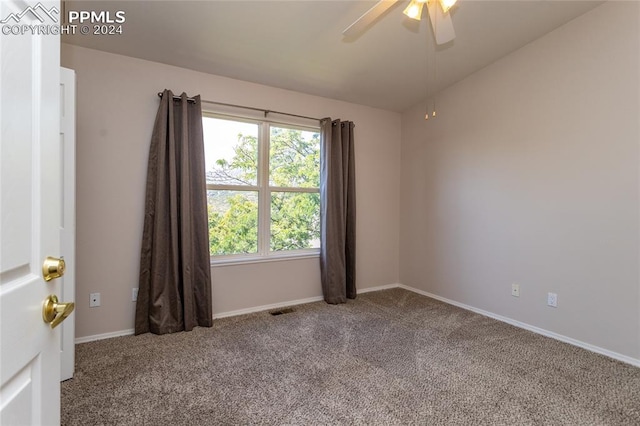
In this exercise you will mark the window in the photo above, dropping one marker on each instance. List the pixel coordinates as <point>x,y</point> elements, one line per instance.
<point>263,192</point>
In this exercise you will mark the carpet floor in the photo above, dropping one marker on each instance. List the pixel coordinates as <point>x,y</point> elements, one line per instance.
<point>391,357</point>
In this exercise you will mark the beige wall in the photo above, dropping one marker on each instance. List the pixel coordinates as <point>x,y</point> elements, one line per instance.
<point>530,175</point>
<point>117,103</point>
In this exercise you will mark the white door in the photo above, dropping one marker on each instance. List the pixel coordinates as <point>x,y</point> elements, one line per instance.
<point>30,210</point>
<point>68,219</point>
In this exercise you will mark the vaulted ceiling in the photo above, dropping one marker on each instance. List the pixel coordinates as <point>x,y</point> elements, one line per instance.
<point>298,45</point>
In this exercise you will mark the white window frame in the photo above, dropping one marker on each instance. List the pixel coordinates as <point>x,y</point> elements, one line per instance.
<point>264,190</point>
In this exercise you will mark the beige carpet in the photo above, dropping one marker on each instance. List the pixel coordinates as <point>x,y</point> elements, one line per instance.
<point>389,357</point>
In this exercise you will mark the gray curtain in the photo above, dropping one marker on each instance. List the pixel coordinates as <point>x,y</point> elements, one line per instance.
<point>175,276</point>
<point>338,211</point>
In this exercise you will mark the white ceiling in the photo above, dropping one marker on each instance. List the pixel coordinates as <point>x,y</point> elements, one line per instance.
<point>298,45</point>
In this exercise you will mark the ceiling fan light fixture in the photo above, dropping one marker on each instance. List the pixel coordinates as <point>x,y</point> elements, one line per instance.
<point>414,10</point>
<point>447,4</point>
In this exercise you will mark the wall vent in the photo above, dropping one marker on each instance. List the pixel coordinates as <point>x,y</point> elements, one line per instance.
<point>282,311</point>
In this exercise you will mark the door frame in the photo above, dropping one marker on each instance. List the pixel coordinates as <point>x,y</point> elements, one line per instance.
<point>68,221</point>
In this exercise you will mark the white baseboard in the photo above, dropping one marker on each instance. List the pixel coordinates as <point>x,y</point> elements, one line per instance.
<point>380,287</point>
<point>120,333</point>
<point>291,303</point>
<point>537,330</point>
<point>266,307</point>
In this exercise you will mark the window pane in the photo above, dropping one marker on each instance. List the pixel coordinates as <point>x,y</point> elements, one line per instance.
<point>295,220</point>
<point>233,222</point>
<point>231,151</point>
<point>294,158</point>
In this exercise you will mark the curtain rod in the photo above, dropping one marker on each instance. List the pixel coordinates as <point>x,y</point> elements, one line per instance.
<point>265,111</point>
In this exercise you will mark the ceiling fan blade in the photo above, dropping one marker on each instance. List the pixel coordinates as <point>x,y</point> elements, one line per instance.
<point>440,23</point>
<point>367,19</point>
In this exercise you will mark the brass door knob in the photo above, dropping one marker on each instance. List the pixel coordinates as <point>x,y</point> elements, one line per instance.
<point>53,268</point>
<point>54,312</point>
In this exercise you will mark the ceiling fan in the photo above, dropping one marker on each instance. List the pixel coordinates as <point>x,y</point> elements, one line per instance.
<point>438,11</point>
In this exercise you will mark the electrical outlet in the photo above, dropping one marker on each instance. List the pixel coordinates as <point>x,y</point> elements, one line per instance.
<point>94,300</point>
<point>552,300</point>
<point>134,294</point>
<point>515,290</point>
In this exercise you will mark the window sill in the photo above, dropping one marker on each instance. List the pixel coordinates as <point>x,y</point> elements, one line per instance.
<point>249,259</point>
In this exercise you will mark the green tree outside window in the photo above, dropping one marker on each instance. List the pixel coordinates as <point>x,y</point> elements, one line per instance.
<point>294,177</point>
